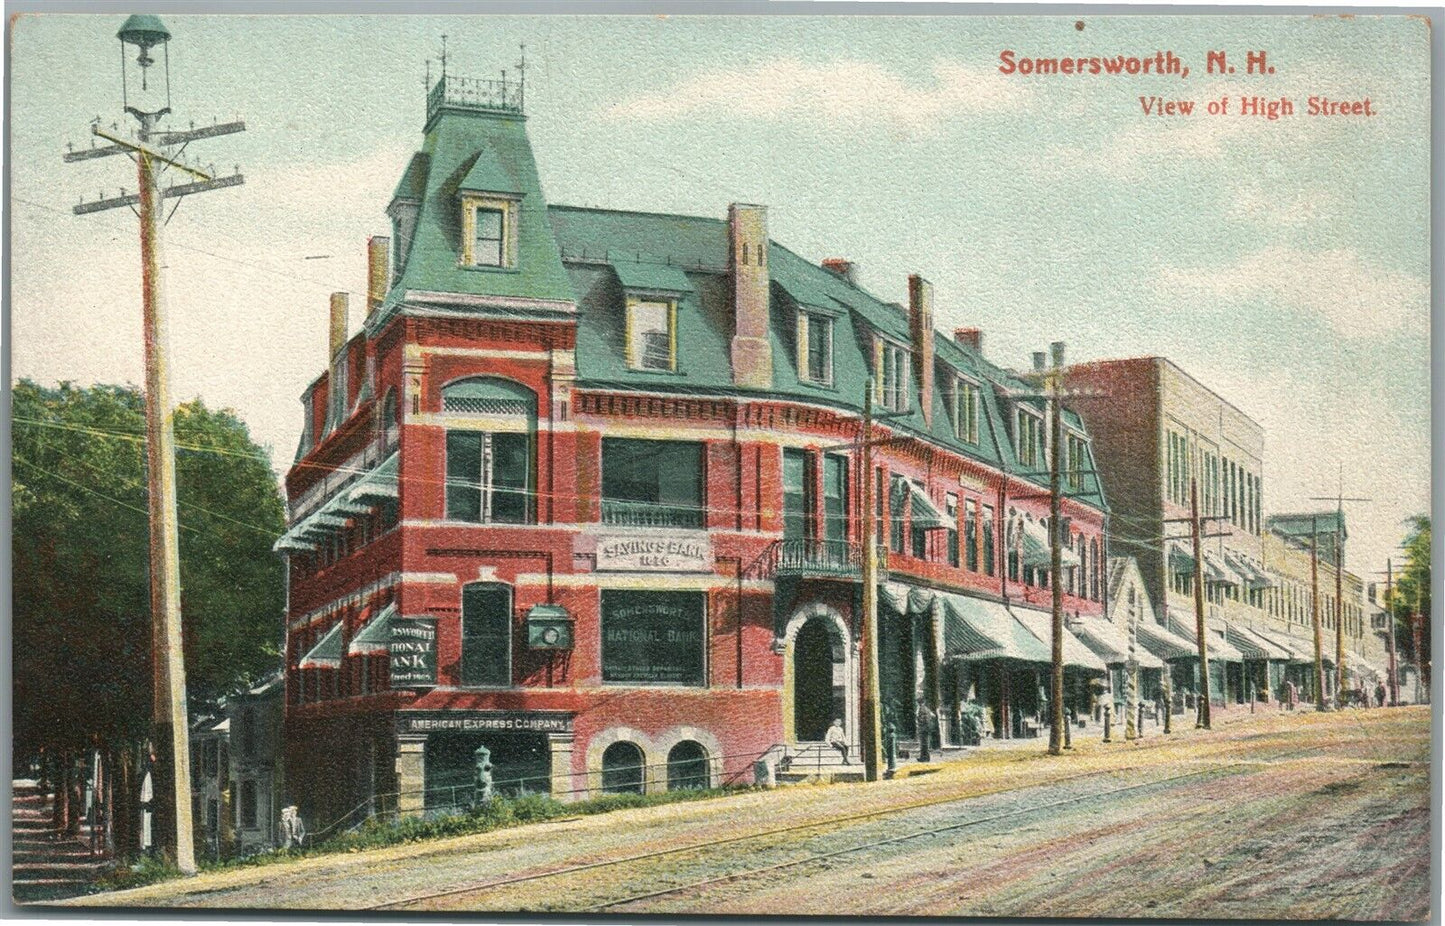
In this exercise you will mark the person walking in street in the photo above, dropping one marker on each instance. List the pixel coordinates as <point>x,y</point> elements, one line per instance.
<point>1379,694</point>
<point>836,738</point>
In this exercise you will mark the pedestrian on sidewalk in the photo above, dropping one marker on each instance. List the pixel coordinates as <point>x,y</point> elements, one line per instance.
<point>836,738</point>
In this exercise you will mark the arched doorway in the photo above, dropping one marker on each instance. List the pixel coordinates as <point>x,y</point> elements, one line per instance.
<point>818,692</point>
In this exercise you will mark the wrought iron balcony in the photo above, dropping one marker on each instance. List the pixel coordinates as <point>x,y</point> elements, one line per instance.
<point>650,514</point>
<point>481,95</point>
<point>814,558</point>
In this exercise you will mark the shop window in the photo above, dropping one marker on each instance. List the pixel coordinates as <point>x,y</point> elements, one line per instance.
<point>622,768</point>
<point>653,637</point>
<point>649,483</point>
<point>797,495</point>
<point>486,635</point>
<point>687,766</point>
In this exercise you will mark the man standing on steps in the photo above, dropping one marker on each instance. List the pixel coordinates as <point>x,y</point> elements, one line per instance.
<point>837,739</point>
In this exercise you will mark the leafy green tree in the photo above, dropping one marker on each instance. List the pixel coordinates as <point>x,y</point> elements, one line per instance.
<point>1412,594</point>
<point>80,534</point>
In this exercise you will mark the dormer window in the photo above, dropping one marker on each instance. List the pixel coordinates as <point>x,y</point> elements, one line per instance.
<point>651,340</point>
<point>891,364</point>
<point>815,348</point>
<point>489,232</point>
<point>1076,459</point>
<point>1029,437</point>
<point>963,409</point>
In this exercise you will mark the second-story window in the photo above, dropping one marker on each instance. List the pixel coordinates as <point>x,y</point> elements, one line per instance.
<point>651,334</point>
<point>897,499</point>
<point>987,543</point>
<point>815,348</point>
<point>835,497</point>
<point>950,504</point>
<point>649,483</point>
<point>797,495</point>
<point>970,536</point>
<point>489,466</point>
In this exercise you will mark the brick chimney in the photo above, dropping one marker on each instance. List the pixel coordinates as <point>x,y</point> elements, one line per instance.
<point>752,353</point>
<point>973,337</point>
<point>340,319</point>
<point>378,256</point>
<point>920,326</point>
<point>842,267</point>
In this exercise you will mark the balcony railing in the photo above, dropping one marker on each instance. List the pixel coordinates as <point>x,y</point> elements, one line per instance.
<point>815,558</point>
<point>502,96</point>
<point>650,514</point>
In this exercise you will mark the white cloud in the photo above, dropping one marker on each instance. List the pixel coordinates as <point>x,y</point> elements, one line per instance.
<point>840,91</point>
<point>1356,297</point>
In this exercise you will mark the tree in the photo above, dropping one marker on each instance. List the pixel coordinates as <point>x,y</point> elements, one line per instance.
<point>80,534</point>
<point>1412,594</point>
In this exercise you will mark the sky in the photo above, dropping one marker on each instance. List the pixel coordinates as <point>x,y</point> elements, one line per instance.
<point>1283,263</point>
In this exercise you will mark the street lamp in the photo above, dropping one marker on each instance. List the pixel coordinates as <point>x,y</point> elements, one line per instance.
<point>144,32</point>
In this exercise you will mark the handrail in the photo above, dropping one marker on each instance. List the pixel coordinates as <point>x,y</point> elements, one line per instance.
<point>375,805</point>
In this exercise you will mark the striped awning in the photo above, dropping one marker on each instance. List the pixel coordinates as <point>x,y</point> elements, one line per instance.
<point>327,652</point>
<point>1300,651</point>
<point>375,635</point>
<point>1216,647</point>
<point>1076,654</point>
<point>1111,643</point>
<point>1181,560</point>
<point>1255,646</point>
<point>1036,546</point>
<point>355,498</point>
<point>976,629</point>
<point>1159,641</point>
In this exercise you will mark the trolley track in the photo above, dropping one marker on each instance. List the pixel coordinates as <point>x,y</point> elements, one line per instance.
<point>706,846</point>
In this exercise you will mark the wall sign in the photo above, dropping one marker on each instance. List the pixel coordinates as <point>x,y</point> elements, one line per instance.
<point>690,552</point>
<point>483,721</point>
<point>413,650</point>
<point>653,638</point>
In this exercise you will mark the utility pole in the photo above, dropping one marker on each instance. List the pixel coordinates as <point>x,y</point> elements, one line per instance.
<point>1390,620</point>
<point>1315,613</point>
<point>1056,542</point>
<point>1339,534</point>
<point>171,776</point>
<point>1204,707</point>
<point>870,735</point>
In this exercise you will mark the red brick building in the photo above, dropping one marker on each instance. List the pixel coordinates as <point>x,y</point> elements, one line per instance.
<point>583,490</point>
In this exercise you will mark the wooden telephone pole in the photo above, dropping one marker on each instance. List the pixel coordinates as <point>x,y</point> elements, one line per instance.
<point>1315,613</point>
<point>1056,568</point>
<point>1339,548</point>
<point>870,734</point>
<point>171,773</point>
<point>1390,618</point>
<point>1199,630</point>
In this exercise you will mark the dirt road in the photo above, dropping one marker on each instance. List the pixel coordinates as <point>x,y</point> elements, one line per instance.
<point>1300,815</point>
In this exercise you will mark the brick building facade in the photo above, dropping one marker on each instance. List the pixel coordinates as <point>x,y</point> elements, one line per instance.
<point>584,490</point>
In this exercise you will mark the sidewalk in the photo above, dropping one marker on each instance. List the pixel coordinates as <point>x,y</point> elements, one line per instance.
<point>48,866</point>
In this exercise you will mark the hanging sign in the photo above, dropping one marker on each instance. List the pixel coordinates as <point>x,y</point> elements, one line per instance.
<point>413,650</point>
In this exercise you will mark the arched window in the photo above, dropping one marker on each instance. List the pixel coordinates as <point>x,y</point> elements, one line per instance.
<point>687,766</point>
<point>487,635</point>
<point>622,768</point>
<point>489,466</point>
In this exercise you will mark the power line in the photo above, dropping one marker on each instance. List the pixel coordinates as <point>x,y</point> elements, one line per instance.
<point>86,488</point>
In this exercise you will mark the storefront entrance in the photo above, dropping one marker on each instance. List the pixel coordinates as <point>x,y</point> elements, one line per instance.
<point>818,671</point>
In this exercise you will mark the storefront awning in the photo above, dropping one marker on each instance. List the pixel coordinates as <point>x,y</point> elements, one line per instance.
<point>1300,651</point>
<point>1254,577</point>
<point>326,654</point>
<point>924,513</point>
<point>1217,648</point>
<point>1255,646</point>
<point>1181,560</point>
<point>1159,641</point>
<point>894,595</point>
<point>1076,654</point>
<point>375,636</point>
<point>1110,642</point>
<point>1036,546</point>
<point>977,629</point>
<point>357,497</point>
